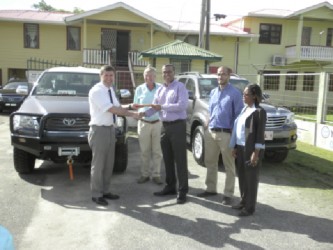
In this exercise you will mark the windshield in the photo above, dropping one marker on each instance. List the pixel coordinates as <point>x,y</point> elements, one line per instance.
<point>14,85</point>
<point>65,83</point>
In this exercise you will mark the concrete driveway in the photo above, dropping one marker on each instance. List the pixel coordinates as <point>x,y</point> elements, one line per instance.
<point>46,210</point>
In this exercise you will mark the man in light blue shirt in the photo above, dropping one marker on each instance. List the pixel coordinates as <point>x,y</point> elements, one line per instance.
<point>149,129</point>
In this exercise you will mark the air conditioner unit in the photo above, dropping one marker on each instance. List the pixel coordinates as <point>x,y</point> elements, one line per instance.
<point>278,60</point>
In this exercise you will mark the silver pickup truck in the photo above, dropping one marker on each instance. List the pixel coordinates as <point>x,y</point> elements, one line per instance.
<point>280,131</point>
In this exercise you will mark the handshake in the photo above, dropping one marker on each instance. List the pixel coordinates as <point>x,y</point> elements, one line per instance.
<point>139,115</point>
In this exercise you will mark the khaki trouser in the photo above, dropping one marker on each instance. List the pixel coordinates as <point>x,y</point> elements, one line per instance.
<point>150,145</point>
<point>216,143</point>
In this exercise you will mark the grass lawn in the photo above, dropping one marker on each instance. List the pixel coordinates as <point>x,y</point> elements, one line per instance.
<point>313,162</point>
<point>312,157</point>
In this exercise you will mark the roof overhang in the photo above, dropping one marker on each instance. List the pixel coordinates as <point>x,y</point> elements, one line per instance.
<point>180,50</point>
<point>80,17</point>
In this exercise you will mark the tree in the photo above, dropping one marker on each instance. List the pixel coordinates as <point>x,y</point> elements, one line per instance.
<point>43,6</point>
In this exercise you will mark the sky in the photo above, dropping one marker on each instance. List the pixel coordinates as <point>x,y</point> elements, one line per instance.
<point>181,9</point>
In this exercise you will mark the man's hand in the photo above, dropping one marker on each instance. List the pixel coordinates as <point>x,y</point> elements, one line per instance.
<point>135,106</point>
<point>157,107</point>
<point>141,114</point>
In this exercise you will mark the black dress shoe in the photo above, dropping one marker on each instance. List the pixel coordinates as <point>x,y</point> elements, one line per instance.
<point>111,196</point>
<point>100,201</point>
<point>238,206</point>
<point>244,213</point>
<point>206,194</point>
<point>181,198</point>
<point>165,191</point>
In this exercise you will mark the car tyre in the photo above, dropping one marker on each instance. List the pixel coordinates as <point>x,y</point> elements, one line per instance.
<point>24,162</point>
<point>121,154</point>
<point>198,145</point>
<point>276,156</point>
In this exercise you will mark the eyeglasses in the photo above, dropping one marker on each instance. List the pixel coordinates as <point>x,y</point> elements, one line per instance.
<point>246,94</point>
<point>222,74</point>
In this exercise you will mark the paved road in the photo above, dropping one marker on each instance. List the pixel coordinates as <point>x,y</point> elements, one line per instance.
<point>48,211</point>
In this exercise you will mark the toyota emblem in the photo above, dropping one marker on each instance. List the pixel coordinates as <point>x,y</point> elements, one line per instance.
<point>69,121</point>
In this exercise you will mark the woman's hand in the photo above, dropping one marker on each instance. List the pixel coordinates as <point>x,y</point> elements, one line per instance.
<point>254,158</point>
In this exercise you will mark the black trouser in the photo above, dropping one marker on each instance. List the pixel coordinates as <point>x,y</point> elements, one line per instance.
<point>173,143</point>
<point>248,179</point>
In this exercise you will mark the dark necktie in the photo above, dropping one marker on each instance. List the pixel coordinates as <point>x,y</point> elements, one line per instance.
<point>114,116</point>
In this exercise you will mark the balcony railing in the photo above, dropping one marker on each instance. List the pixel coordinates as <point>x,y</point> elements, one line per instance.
<point>134,57</point>
<point>103,57</point>
<point>317,53</point>
<point>96,56</point>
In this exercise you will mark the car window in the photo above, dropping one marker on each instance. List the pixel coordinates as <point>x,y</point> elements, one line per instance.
<point>239,83</point>
<point>66,83</point>
<point>190,85</point>
<point>206,85</point>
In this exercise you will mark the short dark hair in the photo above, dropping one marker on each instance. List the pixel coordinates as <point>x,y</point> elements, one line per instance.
<point>169,65</point>
<point>107,68</point>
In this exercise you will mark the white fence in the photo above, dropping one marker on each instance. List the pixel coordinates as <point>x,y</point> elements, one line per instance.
<point>308,95</point>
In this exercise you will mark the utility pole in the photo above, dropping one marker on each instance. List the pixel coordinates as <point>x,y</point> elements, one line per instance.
<point>202,23</point>
<point>207,24</point>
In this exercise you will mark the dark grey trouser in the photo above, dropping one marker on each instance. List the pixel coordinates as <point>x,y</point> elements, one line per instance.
<point>102,142</point>
<point>248,179</point>
<point>173,143</point>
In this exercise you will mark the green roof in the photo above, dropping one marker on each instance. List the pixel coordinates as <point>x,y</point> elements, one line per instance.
<point>180,50</point>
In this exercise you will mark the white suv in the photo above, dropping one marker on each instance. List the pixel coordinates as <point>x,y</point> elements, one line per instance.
<point>280,127</point>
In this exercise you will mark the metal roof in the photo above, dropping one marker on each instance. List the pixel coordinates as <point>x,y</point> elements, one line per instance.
<point>34,16</point>
<point>288,13</point>
<point>180,50</point>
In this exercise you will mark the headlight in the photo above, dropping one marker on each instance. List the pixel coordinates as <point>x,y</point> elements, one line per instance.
<point>290,118</point>
<point>26,125</point>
